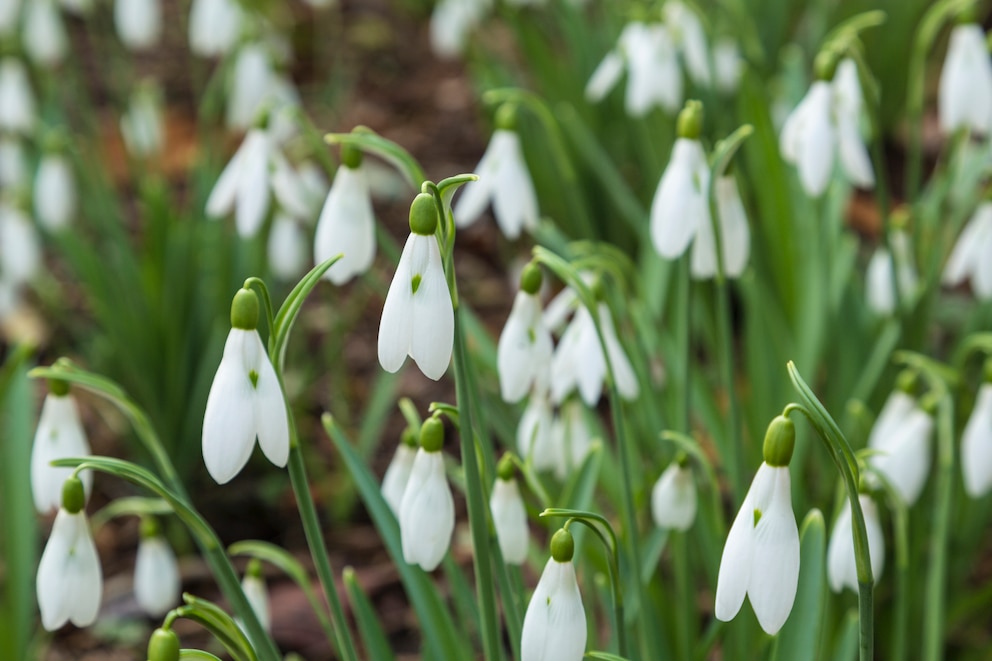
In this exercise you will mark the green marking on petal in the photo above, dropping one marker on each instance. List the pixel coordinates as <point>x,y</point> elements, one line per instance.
<point>415,283</point>
<point>530,335</point>
<point>757,516</point>
<point>549,601</point>
<point>253,375</point>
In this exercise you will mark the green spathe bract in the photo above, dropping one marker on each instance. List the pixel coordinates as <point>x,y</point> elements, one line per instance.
<point>244,310</point>
<point>780,440</point>
<point>163,645</point>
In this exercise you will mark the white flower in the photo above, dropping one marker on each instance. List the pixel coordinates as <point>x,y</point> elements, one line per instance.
<point>156,576</point>
<point>579,361</point>
<point>287,247</point>
<point>138,22</point>
<point>510,521</point>
<point>825,122</point>
<point>60,435</point>
<point>252,80</point>
<point>970,257</point>
<point>761,557</point>
<point>245,401</point>
<point>54,192</point>
<point>417,317</point>
<point>687,30</point>
<point>142,125</point>
<point>902,437</point>
<point>244,184</point>
<point>735,236</point>
<point>571,438</point>
<point>880,287</point>
<point>70,581</point>
<point>253,585</point>
<point>427,512</point>
<point>653,75</point>
<point>214,26</point>
<point>841,568</point>
<point>535,440</point>
<point>397,475</point>
<point>451,23</point>
<point>9,11</point>
<point>20,248</point>
<point>976,445</point>
<point>13,167</point>
<point>680,207</point>
<point>965,96</point>
<point>728,64</point>
<point>673,498</point>
<point>346,226</point>
<point>287,186</point>
<point>555,622</point>
<point>524,351</point>
<point>17,109</point>
<point>504,179</point>
<point>78,7</point>
<point>44,36</point>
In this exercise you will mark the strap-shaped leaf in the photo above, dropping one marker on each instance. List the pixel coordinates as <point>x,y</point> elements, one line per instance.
<point>291,307</point>
<point>804,628</point>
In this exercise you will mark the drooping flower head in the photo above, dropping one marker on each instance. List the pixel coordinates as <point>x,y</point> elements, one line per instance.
<point>841,568</point>
<point>535,440</point>
<point>970,258</point>
<point>156,571</point>
<point>43,33</point>
<point>901,438</point>
<point>347,223</point>
<point>509,514</point>
<point>60,435</point>
<point>976,441</point>
<point>571,437</point>
<point>214,26</point>
<point>418,317</point>
<point>253,585</point>
<point>17,105</point>
<point>523,354</point>
<point>735,236</point>
<point>69,581</point>
<point>398,473</point>
<point>427,512</point>
<point>673,498</point>
<point>965,96</point>
<point>138,22</point>
<point>244,185</point>
<point>880,286</point>
<point>245,400</point>
<point>143,124</point>
<point>54,189</point>
<point>761,557</point>
<point>555,621</point>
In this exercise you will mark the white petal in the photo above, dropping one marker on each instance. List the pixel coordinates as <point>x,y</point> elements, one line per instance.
<point>60,435</point>
<point>817,140</point>
<point>268,403</point>
<point>524,348</point>
<point>432,320</point>
<point>965,92</point>
<point>17,108</point>
<point>514,198</point>
<point>251,80</point>
<point>904,457</point>
<point>54,192</point>
<point>605,77</point>
<point>427,512</point>
<point>287,248</point>
<point>509,521</point>
<point>775,558</point>
<point>396,323</point>
<point>728,65</point>
<point>854,156</point>
<point>976,445</point>
<point>213,26</point>
<point>967,251</point>
<point>69,581</point>
<point>222,197</point>
<point>44,36</point>
<point>20,247</point>
<point>736,235</point>
<point>252,202</point>
<point>138,22</point>
<point>287,187</point>
<point>685,23</point>
<point>534,434</point>
<point>475,195</point>
<point>673,498</point>
<point>228,422</point>
<point>555,621</point>
<point>258,598</point>
<point>623,372</point>
<point>346,226</point>
<point>679,204</point>
<point>841,571</point>
<point>895,410</point>
<point>397,475</point>
<point>156,576</point>
<point>880,291</point>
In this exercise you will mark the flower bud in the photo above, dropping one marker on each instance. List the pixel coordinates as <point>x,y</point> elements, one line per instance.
<point>432,435</point>
<point>987,371</point>
<point>351,156</point>
<point>825,64</point>
<point>506,470</point>
<point>907,381</point>
<point>562,546</point>
<point>244,310</point>
<point>531,278</point>
<point>58,387</point>
<point>780,439</point>
<point>423,215</point>
<point>163,645</point>
<point>73,495</point>
<point>690,122</point>
<point>506,117</point>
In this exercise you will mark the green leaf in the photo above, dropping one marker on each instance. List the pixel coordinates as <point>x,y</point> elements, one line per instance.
<point>196,655</point>
<point>725,149</point>
<point>373,636</point>
<point>581,485</point>
<point>847,641</point>
<point>369,141</point>
<point>220,624</point>
<point>132,505</point>
<point>605,656</point>
<point>804,628</point>
<point>440,632</point>
<point>287,314</point>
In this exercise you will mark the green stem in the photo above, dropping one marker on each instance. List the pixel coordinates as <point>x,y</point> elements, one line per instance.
<point>478,520</point>
<point>933,631</point>
<point>901,596</point>
<point>318,549</point>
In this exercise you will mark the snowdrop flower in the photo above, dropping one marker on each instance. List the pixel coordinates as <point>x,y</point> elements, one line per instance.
<point>902,437</point>
<point>417,318</point>
<point>244,184</point>
<point>142,125</point>
<point>156,572</point>
<point>13,167</point>
<point>245,399</point>
<point>214,26</point>
<point>69,581</point>
<point>524,350</point>
<point>673,498</point>
<point>964,98</point>
<point>253,585</point>
<point>138,22</point>
<point>347,222</point>
<point>579,360</point>
<point>880,287</point>
<point>60,435</point>
<point>970,257</point>
<point>20,247</point>
<point>761,557</point>
<point>314,185</point>
<point>54,192</point>
<point>535,440</point>
<point>571,438</point>
<point>9,12</point>
<point>451,23</point>
<point>163,645</point>
<point>976,442</point>
<point>735,237</point>
<point>287,247</point>
<point>427,511</point>
<point>44,36</point>
<point>509,514</point>
<point>398,473</point>
<point>686,28</point>
<point>680,207</point>
<point>78,7</point>
<point>503,179</point>
<point>653,75</point>
<point>555,622</point>
<point>17,109</point>
<point>841,568</point>
<point>728,65</point>
<point>251,81</point>
<point>826,121</point>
